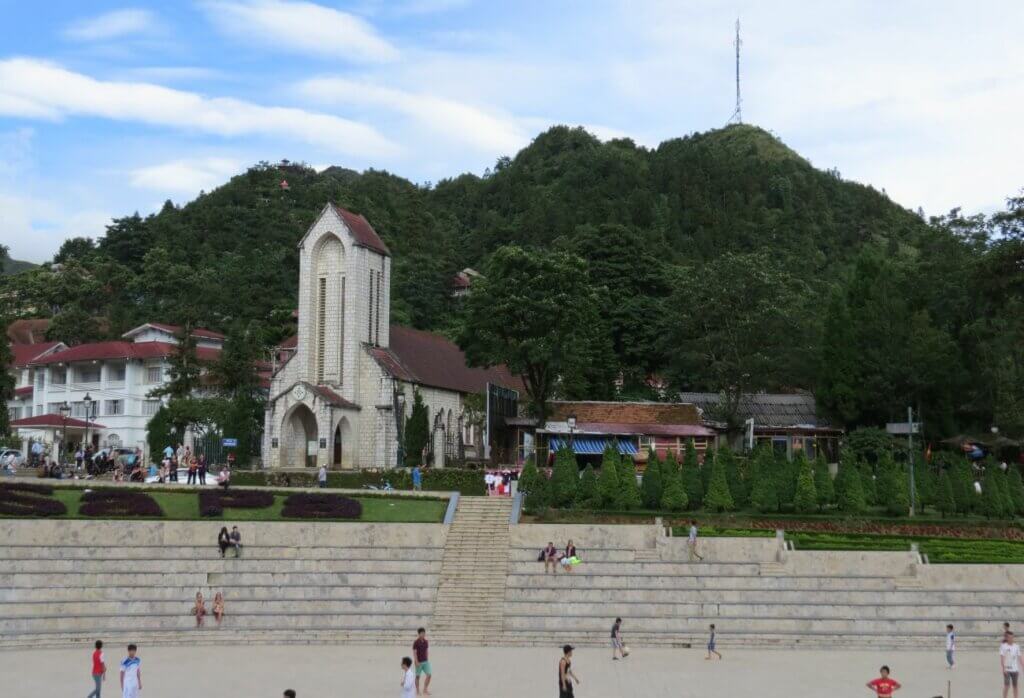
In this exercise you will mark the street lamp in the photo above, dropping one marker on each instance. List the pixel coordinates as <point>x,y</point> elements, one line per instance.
<point>88,413</point>
<point>570,421</point>
<point>398,405</point>
<point>65,410</point>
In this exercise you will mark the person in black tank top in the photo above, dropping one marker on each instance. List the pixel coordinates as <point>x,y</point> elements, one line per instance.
<point>565,675</point>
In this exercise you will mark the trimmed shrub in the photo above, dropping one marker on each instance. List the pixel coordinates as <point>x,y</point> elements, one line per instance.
<point>823,484</point>
<point>764,496</point>
<point>718,497</point>
<point>945,502</point>
<point>1016,489</point>
<point>892,486</point>
<point>653,482</point>
<point>586,494</point>
<point>692,481</point>
<point>565,479</point>
<point>17,499</point>
<point>629,490</point>
<point>116,503</point>
<point>673,496</point>
<point>806,498</point>
<point>214,502</point>
<point>608,479</point>
<point>307,505</point>
<point>850,484</point>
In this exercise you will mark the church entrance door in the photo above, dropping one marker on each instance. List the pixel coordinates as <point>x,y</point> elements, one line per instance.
<point>336,460</point>
<point>302,433</point>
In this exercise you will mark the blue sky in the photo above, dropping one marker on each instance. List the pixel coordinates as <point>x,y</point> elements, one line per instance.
<point>111,107</point>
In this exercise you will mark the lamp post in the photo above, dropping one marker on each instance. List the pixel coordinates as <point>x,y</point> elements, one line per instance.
<point>65,410</point>
<point>398,405</point>
<point>88,413</point>
<point>570,421</point>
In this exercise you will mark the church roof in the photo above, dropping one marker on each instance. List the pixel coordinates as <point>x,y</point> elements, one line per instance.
<point>432,360</point>
<point>362,232</point>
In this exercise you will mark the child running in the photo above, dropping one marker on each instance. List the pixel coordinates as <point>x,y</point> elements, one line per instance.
<point>883,686</point>
<point>711,643</point>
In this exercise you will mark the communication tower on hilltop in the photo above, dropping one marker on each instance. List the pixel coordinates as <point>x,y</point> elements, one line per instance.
<point>737,115</point>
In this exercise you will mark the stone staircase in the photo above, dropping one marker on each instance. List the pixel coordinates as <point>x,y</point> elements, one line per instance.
<point>469,606</point>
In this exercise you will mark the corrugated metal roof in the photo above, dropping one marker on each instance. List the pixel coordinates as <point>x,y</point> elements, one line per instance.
<point>767,409</point>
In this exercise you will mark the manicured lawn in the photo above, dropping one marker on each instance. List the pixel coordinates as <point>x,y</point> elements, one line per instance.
<point>184,506</point>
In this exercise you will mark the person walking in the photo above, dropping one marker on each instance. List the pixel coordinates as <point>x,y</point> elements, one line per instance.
<point>236,541</point>
<point>321,476</point>
<point>617,645</point>
<point>711,643</point>
<point>408,679</point>
<point>421,657</point>
<point>565,673</point>
<point>883,686</point>
<point>193,471</point>
<point>131,674</point>
<point>950,645</point>
<point>1009,662</point>
<point>289,693</point>
<point>202,469</point>
<point>99,670</point>
<point>691,543</point>
<point>417,478</point>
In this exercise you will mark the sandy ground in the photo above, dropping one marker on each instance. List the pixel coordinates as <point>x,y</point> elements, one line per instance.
<point>464,672</point>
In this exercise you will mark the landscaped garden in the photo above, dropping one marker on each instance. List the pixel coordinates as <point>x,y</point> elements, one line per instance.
<point>31,500</point>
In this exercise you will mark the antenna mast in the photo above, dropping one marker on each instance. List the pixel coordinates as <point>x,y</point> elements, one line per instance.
<point>737,115</point>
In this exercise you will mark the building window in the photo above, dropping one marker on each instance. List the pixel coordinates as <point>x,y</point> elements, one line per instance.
<point>150,407</point>
<point>116,373</point>
<point>154,374</point>
<point>467,435</point>
<point>53,407</point>
<point>113,407</point>
<point>13,413</point>
<point>341,344</point>
<point>58,375</point>
<point>321,329</point>
<point>40,379</point>
<point>369,310</point>
<point>89,374</point>
<point>376,327</point>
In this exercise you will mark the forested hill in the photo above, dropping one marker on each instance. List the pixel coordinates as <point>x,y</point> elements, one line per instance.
<point>700,207</point>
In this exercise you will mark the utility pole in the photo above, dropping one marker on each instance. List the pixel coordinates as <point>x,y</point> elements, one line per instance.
<point>910,455</point>
<point>737,115</point>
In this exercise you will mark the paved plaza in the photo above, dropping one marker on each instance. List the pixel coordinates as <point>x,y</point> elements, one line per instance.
<point>369,672</point>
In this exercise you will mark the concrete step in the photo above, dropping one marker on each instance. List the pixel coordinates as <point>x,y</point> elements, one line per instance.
<point>235,607</point>
<point>200,579</point>
<point>173,552</point>
<point>230,564</point>
<point>48,595</point>
<point>580,579</point>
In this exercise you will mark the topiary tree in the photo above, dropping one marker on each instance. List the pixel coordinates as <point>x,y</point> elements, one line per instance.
<point>1016,489</point>
<point>963,487</point>
<point>586,493</point>
<point>1009,508</point>
<point>692,481</point>
<point>565,479</point>
<point>993,505</point>
<point>849,484</point>
<point>673,496</point>
<point>892,486</point>
<point>734,476</point>
<point>823,484</point>
<point>535,487</point>
<point>629,491</point>
<point>764,496</point>
<point>806,498</point>
<point>869,483</point>
<point>528,478</point>
<point>608,479</point>
<point>718,497</point>
<point>653,482</point>
<point>417,431</point>
<point>945,502</point>
<point>785,473</point>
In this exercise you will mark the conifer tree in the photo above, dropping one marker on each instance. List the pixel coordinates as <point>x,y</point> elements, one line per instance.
<point>893,488</point>
<point>417,431</point>
<point>823,484</point>
<point>992,503</point>
<point>1016,489</point>
<point>733,475</point>
<point>534,484</point>
<point>786,472</point>
<point>586,493</point>
<point>849,484</point>
<point>629,490</point>
<point>673,495</point>
<point>692,481</point>
<point>963,487</point>
<point>564,479</point>
<point>1004,489</point>
<point>652,484</point>
<point>764,495</point>
<point>806,498</point>
<point>608,479</point>
<point>718,497</point>
<point>945,502</point>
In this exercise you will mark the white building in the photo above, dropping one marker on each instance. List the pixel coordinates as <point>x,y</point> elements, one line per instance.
<point>333,402</point>
<point>117,376</point>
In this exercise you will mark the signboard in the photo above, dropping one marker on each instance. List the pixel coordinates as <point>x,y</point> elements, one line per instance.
<point>312,447</point>
<point>229,443</point>
<point>903,428</point>
<point>273,442</point>
<point>323,443</point>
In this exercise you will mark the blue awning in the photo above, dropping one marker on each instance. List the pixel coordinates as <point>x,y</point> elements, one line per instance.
<point>593,445</point>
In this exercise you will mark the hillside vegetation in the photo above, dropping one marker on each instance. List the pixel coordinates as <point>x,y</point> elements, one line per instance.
<point>689,244</point>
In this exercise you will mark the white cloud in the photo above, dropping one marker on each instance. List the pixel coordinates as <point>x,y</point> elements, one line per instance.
<point>187,176</point>
<point>301,27</point>
<point>489,131</point>
<point>32,88</point>
<point>112,25</point>
<point>34,228</point>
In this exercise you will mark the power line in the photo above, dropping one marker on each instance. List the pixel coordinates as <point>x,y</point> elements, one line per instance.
<point>737,115</point>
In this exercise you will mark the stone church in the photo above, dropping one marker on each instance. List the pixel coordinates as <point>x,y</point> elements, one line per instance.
<point>348,372</point>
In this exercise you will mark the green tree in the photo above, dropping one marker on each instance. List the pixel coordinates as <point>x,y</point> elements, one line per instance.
<point>1004,490</point>
<point>764,495</point>
<point>565,478</point>
<point>534,484</point>
<point>786,472</point>
<point>945,503</point>
<point>608,479</point>
<point>892,486</point>
<point>837,392</point>
<point>652,483</point>
<point>1016,489</point>
<point>673,496</point>
<point>734,476</point>
<point>849,484</point>
<point>718,497</point>
<point>417,431</point>
<point>806,498</point>
<point>629,491</point>
<point>236,380</point>
<point>535,312</point>
<point>692,481</point>
<point>823,484</point>
<point>993,505</point>
<point>77,248</point>
<point>586,494</point>
<point>6,384</point>
<point>963,487</point>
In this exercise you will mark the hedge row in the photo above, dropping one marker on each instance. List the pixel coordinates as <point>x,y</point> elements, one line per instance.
<point>213,503</point>
<point>466,482</point>
<point>118,503</point>
<point>29,500</point>
<point>305,505</point>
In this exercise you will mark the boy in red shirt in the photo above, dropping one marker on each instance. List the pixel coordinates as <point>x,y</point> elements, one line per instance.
<point>99,670</point>
<point>883,686</point>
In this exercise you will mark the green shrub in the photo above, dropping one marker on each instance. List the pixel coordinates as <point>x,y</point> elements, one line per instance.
<point>1016,489</point>
<point>653,482</point>
<point>629,490</point>
<point>764,495</point>
<point>462,480</point>
<point>945,502</point>
<point>608,479</point>
<point>718,497</point>
<point>673,496</point>
<point>692,481</point>
<point>893,488</point>
<point>417,431</point>
<point>850,484</point>
<point>565,479</point>
<point>993,504</point>
<point>586,493</point>
<point>806,498</point>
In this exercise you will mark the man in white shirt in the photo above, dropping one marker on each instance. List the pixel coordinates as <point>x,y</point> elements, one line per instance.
<point>1009,660</point>
<point>322,476</point>
<point>408,679</point>
<point>131,674</point>
<point>950,645</point>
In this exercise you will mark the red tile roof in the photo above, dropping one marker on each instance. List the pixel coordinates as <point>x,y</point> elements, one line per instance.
<point>23,392</point>
<point>644,429</point>
<point>97,351</point>
<point>53,420</point>
<point>619,413</point>
<point>289,343</point>
<point>362,232</point>
<point>24,353</point>
<point>432,360</point>
<point>199,332</point>
<point>332,397</point>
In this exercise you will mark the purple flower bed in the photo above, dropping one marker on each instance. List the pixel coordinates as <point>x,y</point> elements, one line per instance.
<point>321,506</point>
<point>29,500</point>
<point>118,503</point>
<point>214,503</point>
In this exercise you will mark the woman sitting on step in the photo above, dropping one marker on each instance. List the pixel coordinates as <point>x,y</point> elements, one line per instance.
<point>199,610</point>
<point>569,557</point>
<point>218,607</point>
